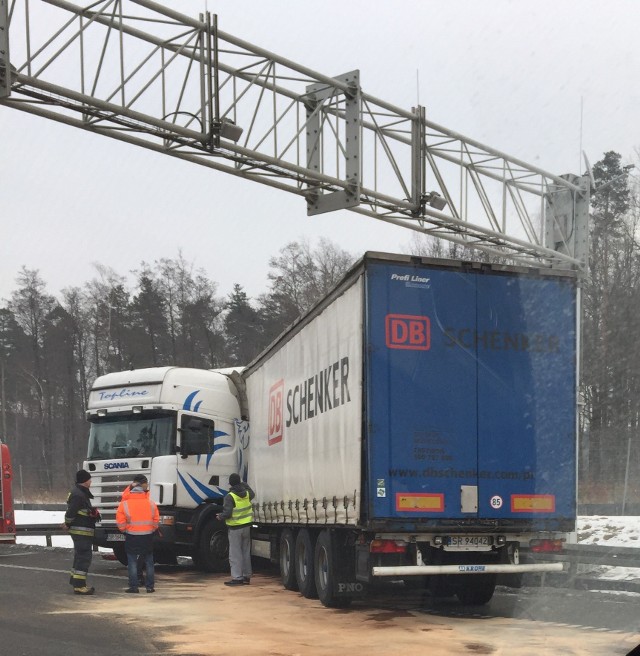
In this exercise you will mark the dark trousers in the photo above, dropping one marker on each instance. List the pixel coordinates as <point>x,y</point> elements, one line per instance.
<point>139,549</point>
<point>134,570</point>
<point>82,555</point>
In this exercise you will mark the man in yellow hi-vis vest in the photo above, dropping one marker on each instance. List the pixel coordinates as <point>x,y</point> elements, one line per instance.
<point>238,516</point>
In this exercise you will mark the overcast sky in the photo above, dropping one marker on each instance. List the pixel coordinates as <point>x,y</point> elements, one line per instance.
<point>511,75</point>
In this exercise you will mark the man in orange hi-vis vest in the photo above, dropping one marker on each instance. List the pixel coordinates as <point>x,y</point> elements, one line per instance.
<point>138,518</point>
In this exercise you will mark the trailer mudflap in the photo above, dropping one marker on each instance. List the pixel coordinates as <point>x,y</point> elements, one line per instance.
<point>433,570</point>
<point>345,583</point>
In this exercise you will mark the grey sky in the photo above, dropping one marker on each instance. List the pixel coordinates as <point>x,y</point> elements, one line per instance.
<point>509,74</point>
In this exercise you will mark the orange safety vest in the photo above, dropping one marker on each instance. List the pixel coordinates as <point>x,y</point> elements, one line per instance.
<point>137,515</point>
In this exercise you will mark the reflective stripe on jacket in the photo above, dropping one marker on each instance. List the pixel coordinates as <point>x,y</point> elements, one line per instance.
<point>137,515</point>
<point>78,516</point>
<point>242,511</point>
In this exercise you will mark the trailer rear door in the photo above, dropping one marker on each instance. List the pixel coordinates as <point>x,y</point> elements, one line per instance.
<point>421,392</point>
<point>470,394</point>
<point>526,397</point>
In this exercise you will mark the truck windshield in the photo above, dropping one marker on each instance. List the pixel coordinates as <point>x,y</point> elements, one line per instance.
<point>135,435</point>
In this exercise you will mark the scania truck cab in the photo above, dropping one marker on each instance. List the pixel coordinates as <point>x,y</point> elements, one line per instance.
<point>185,430</point>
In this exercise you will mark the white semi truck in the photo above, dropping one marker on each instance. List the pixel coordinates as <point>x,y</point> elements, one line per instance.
<point>419,423</point>
<point>182,428</point>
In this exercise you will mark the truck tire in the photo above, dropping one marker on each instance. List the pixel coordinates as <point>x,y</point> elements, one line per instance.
<point>304,557</point>
<point>477,590</point>
<point>212,550</point>
<point>120,553</point>
<point>287,559</point>
<point>325,572</point>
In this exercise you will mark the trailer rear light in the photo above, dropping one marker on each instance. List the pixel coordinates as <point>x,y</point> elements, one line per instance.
<point>546,546</point>
<point>388,546</point>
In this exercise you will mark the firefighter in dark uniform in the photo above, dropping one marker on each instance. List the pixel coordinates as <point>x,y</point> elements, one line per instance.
<point>80,519</point>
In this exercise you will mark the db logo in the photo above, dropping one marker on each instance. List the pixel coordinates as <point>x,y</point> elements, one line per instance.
<point>275,413</point>
<point>404,331</point>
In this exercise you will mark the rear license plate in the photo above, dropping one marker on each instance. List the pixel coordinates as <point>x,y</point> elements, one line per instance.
<point>482,542</point>
<point>115,537</point>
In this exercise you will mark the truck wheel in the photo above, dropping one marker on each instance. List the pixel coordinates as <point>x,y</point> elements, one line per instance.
<point>304,556</point>
<point>287,560</point>
<point>477,590</point>
<point>212,550</point>
<point>325,570</point>
<point>120,553</point>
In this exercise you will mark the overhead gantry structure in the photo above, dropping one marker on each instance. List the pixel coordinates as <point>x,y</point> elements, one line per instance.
<point>142,73</point>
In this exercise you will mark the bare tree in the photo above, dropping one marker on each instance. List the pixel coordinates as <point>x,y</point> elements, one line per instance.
<point>303,275</point>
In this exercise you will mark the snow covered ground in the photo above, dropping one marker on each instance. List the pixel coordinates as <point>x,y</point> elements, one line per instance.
<point>609,531</point>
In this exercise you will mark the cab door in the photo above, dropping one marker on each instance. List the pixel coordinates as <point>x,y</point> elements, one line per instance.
<point>207,455</point>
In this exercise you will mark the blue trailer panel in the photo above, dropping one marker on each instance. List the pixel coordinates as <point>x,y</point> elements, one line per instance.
<point>470,394</point>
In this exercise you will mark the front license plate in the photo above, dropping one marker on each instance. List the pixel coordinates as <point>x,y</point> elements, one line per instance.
<point>476,542</point>
<point>115,537</point>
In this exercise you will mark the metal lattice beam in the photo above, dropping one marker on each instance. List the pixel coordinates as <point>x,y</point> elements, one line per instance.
<point>139,72</point>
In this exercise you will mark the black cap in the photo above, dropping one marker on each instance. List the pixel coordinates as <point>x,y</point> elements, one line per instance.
<point>140,478</point>
<point>234,479</point>
<point>82,476</point>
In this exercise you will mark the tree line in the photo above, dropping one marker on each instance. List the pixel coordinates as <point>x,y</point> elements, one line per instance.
<point>52,348</point>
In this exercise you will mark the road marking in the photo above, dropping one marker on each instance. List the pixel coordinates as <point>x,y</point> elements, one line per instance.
<point>62,571</point>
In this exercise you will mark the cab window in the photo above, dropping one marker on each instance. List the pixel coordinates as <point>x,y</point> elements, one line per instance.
<point>196,435</point>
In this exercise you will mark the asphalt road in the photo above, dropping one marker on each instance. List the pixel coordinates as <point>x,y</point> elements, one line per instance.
<point>39,615</point>
<point>39,612</point>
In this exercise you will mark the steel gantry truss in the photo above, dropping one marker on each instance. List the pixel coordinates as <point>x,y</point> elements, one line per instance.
<point>142,73</point>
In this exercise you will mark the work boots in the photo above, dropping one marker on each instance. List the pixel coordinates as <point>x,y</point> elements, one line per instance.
<point>84,591</point>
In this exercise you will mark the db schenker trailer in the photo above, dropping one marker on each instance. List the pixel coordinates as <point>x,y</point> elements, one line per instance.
<point>419,423</point>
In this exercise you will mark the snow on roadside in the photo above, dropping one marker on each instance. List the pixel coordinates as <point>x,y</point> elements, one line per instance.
<point>42,517</point>
<point>609,531</point>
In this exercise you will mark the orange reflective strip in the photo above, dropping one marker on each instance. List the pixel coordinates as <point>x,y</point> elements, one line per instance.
<point>532,503</point>
<point>419,502</point>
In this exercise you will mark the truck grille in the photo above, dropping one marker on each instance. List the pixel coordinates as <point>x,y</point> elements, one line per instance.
<point>107,488</point>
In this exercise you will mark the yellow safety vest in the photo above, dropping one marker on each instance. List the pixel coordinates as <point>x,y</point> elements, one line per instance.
<point>242,512</point>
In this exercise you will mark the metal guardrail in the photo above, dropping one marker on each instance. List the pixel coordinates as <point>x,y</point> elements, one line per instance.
<point>594,554</point>
<point>41,529</point>
<point>590,556</point>
<point>574,554</point>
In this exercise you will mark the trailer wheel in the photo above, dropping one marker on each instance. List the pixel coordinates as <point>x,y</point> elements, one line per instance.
<point>477,590</point>
<point>212,550</point>
<point>120,553</point>
<point>304,557</point>
<point>325,573</point>
<point>287,559</point>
